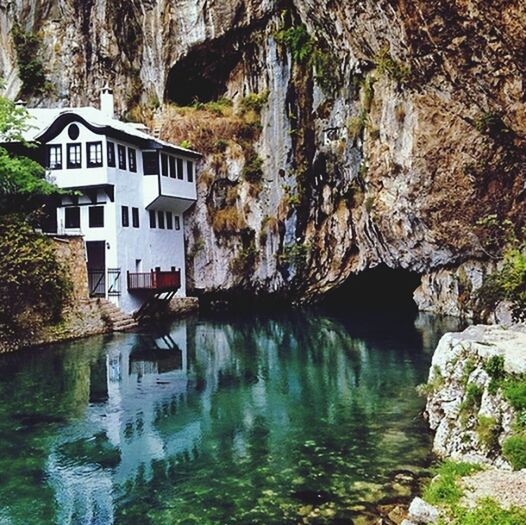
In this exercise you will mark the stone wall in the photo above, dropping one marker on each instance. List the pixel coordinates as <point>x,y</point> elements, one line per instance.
<point>81,316</point>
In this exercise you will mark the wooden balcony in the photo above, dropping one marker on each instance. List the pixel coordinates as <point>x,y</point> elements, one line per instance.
<point>155,280</point>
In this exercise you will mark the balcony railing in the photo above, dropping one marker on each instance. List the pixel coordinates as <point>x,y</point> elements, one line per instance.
<point>155,280</point>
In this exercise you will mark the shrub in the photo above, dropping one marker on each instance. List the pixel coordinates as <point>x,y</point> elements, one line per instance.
<point>295,255</point>
<point>30,65</point>
<point>469,365</point>
<point>369,204</point>
<point>254,102</point>
<point>368,93</point>
<point>490,123</point>
<point>433,384</point>
<point>471,400</point>
<point>488,431</point>
<point>252,170</point>
<point>494,367</point>
<point>228,220</point>
<point>307,51</point>
<point>387,65</point>
<point>356,124</point>
<point>220,145</point>
<point>243,263</point>
<point>34,286</point>
<point>507,284</point>
<point>514,450</point>
<point>515,392</point>
<point>186,144</point>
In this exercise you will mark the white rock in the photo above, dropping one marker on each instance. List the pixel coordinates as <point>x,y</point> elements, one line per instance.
<point>422,513</point>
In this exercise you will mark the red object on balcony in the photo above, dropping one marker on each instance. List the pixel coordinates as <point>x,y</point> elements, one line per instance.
<point>155,280</point>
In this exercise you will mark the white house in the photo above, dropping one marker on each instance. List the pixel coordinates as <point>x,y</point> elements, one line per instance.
<point>131,193</point>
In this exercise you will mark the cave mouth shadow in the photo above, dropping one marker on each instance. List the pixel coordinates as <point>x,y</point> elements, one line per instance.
<point>202,75</point>
<point>381,291</point>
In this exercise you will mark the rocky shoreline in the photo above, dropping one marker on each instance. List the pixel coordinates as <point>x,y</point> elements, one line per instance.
<point>475,405</point>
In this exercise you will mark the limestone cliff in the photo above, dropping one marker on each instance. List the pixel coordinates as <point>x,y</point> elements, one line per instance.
<point>386,129</point>
<point>473,403</point>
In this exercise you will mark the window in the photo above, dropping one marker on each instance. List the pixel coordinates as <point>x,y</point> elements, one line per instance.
<point>150,161</point>
<point>172,168</point>
<point>94,154</point>
<point>121,152</point>
<point>111,154</point>
<point>177,222</point>
<point>164,164</point>
<point>73,132</point>
<point>54,157</point>
<point>96,217</point>
<point>74,156</point>
<point>190,170</point>
<point>125,216</point>
<point>160,219</point>
<point>153,219</point>
<point>135,217</point>
<point>169,221</point>
<point>180,167</point>
<point>132,160</point>
<point>72,216</point>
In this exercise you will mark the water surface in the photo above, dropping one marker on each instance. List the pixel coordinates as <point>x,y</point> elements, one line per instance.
<point>296,418</point>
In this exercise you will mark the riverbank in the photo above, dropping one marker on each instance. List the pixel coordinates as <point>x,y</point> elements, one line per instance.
<point>476,404</point>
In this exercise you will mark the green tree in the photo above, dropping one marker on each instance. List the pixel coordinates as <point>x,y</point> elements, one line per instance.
<point>33,286</point>
<point>23,185</point>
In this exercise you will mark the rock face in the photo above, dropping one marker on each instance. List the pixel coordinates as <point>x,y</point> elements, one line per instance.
<point>472,419</point>
<point>390,128</point>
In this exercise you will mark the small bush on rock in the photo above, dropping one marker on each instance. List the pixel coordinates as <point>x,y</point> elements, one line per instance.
<point>514,450</point>
<point>488,431</point>
<point>515,393</point>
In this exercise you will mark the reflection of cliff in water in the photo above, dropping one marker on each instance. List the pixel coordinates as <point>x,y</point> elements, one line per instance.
<point>125,424</point>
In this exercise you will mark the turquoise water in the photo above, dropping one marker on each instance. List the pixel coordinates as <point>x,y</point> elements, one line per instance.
<point>297,418</point>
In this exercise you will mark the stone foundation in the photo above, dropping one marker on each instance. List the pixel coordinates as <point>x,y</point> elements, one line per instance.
<point>181,306</point>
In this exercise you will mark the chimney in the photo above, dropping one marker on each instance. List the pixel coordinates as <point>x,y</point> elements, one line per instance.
<point>106,102</point>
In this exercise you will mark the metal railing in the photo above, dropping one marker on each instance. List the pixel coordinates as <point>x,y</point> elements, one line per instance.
<point>154,280</point>
<point>97,283</point>
<point>114,282</point>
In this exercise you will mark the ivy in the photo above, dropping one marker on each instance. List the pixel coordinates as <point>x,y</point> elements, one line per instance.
<point>309,52</point>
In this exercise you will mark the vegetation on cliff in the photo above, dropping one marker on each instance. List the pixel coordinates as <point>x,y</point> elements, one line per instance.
<point>30,64</point>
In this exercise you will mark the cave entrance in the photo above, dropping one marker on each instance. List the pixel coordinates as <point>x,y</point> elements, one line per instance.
<point>202,75</point>
<point>380,289</point>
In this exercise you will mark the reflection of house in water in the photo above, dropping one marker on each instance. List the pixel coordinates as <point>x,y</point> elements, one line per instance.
<point>136,383</point>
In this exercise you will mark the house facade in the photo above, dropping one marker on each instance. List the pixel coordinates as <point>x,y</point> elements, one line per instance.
<point>130,191</point>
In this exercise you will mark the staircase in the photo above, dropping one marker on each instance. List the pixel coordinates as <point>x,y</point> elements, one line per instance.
<point>120,321</point>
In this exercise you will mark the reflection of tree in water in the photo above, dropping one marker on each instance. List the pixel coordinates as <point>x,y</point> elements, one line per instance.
<point>40,391</point>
